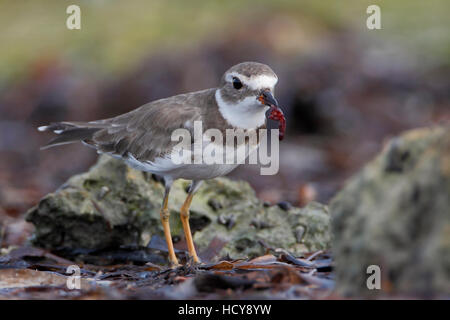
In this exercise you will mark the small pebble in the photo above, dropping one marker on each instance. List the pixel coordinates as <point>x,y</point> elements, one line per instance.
<point>227,221</point>
<point>214,204</point>
<point>284,205</point>
<point>259,224</point>
<point>299,233</point>
<point>103,192</point>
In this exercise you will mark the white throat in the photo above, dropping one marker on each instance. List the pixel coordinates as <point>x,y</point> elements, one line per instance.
<point>246,114</point>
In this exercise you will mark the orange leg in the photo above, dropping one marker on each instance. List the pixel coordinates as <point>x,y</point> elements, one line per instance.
<point>184,214</point>
<point>165,214</point>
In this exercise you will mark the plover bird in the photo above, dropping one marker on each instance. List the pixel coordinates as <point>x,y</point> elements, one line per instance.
<point>142,137</point>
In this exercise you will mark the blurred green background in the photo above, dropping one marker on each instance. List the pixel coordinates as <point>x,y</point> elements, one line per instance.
<point>117,34</point>
<point>344,88</point>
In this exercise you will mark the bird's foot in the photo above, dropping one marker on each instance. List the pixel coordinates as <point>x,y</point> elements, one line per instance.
<point>193,261</point>
<point>174,264</point>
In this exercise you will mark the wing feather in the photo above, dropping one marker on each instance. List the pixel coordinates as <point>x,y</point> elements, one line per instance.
<point>145,133</point>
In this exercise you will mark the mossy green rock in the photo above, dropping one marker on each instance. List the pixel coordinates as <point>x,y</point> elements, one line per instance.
<point>113,205</point>
<point>395,214</point>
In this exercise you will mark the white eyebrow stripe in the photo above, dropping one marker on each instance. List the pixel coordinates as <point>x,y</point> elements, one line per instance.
<point>254,83</point>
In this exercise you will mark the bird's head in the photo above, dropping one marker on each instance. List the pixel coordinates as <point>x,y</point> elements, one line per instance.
<point>246,91</point>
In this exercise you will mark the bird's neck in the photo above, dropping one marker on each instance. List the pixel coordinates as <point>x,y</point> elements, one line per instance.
<point>245,114</point>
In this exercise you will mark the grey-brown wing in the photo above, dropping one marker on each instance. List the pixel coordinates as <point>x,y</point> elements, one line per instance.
<point>146,132</point>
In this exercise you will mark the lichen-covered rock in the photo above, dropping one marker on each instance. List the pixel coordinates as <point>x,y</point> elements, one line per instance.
<point>112,205</point>
<point>396,214</point>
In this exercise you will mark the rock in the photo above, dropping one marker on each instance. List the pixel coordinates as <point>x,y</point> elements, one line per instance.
<point>113,205</point>
<point>395,214</point>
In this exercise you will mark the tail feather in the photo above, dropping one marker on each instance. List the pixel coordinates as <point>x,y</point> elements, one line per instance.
<point>69,132</point>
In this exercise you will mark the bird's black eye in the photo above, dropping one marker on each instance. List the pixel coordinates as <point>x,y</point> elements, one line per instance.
<point>237,84</point>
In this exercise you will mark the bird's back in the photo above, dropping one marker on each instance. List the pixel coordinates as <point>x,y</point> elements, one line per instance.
<point>143,133</point>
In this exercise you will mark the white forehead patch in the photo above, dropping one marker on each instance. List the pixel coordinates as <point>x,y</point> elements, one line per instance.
<point>254,82</point>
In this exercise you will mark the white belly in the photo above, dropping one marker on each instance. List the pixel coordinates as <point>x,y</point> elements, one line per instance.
<point>165,167</point>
